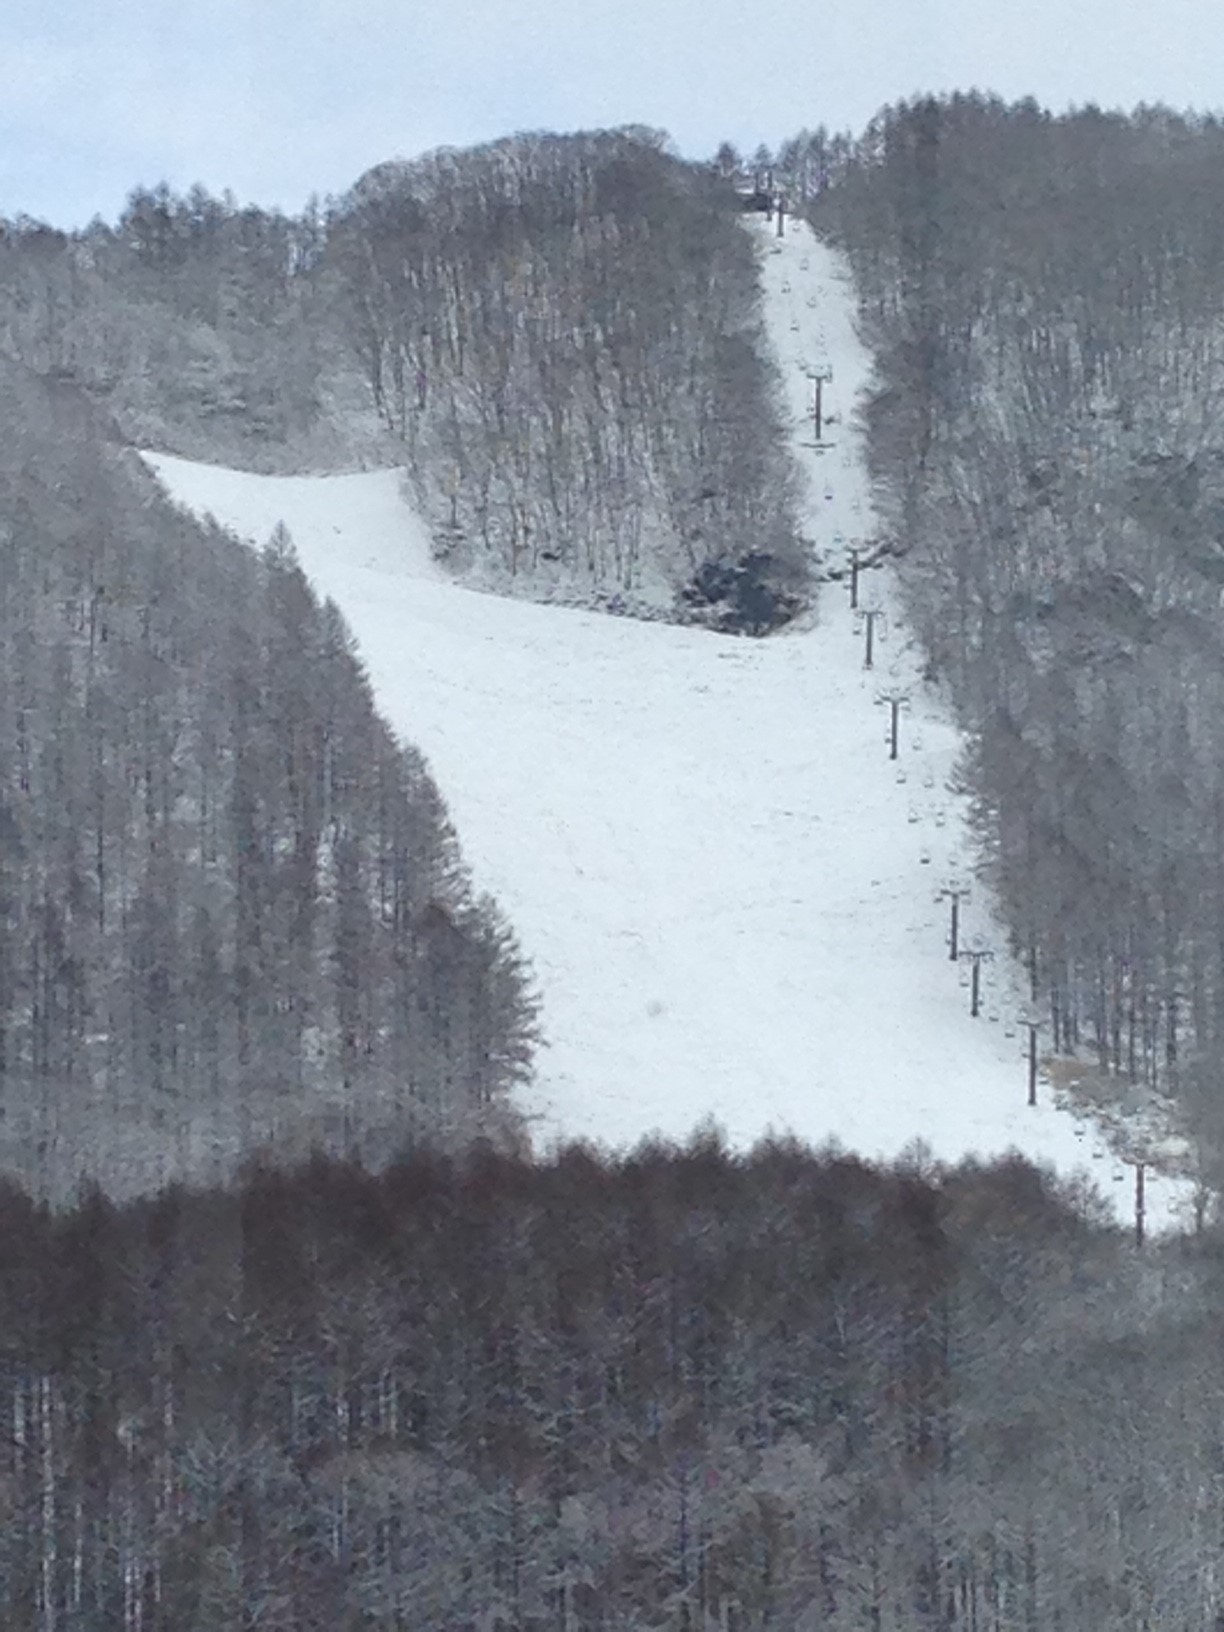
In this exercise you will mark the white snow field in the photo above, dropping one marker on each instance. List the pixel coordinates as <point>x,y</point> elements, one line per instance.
<point>726,889</point>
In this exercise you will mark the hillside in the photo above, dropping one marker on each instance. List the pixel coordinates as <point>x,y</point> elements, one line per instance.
<point>232,908</point>
<point>1042,298</point>
<point>557,336</point>
<point>727,895</point>
<point>563,333</point>
<point>611,997</point>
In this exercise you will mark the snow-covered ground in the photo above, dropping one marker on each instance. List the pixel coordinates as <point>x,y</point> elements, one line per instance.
<point>727,890</point>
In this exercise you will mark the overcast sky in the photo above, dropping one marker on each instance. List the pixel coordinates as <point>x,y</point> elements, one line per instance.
<point>277,99</point>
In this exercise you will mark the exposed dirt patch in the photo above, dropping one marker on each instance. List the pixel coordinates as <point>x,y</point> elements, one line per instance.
<point>1134,1122</point>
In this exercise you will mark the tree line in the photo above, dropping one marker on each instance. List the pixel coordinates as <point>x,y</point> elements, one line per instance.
<point>672,1390</point>
<point>559,337</point>
<point>232,908</point>
<point>198,325</point>
<point>1042,298</point>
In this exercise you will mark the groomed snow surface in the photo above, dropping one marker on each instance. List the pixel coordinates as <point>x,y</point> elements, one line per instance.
<point>726,890</point>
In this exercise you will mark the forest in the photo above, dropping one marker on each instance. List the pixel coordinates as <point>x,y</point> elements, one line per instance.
<point>232,908</point>
<point>674,1390</point>
<point>558,339</point>
<point>1042,297</point>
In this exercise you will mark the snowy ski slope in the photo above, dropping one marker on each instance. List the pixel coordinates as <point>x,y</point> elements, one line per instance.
<point>727,890</point>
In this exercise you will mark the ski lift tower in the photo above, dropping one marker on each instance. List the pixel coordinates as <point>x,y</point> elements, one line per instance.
<point>975,955</point>
<point>820,374</point>
<point>1031,1020</point>
<point>865,619</point>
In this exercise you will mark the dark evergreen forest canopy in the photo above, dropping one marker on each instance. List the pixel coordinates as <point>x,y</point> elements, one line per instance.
<point>674,1391</point>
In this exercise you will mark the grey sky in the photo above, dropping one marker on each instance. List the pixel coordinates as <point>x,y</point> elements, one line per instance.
<point>280,98</point>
